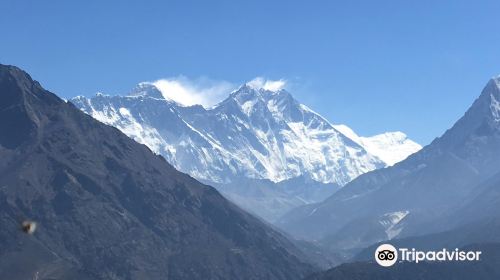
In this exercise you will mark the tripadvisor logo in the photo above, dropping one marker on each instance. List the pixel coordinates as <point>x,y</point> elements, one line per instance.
<point>387,255</point>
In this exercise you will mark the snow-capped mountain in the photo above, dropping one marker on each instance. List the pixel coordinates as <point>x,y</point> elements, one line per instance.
<point>254,134</point>
<point>449,183</point>
<point>390,147</point>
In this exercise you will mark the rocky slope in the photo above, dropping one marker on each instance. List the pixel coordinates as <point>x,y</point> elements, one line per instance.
<point>109,208</point>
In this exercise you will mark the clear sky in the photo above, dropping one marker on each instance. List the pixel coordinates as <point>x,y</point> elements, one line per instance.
<point>376,66</point>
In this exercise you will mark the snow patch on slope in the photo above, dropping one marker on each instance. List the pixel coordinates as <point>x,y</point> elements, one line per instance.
<point>495,107</point>
<point>391,223</point>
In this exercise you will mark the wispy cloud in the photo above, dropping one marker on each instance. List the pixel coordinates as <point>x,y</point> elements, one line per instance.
<point>185,91</point>
<point>207,92</point>
<point>272,85</point>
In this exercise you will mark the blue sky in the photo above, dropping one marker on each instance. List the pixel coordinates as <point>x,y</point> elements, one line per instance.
<point>413,66</point>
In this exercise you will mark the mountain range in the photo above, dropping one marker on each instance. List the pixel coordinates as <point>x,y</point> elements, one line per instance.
<point>448,191</point>
<point>107,207</point>
<point>262,149</point>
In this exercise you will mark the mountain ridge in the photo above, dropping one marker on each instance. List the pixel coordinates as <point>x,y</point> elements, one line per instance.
<point>252,136</point>
<point>427,185</point>
<point>108,208</point>
<point>246,103</point>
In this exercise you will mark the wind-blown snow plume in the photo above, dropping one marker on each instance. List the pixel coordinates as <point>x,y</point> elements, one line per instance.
<point>203,91</point>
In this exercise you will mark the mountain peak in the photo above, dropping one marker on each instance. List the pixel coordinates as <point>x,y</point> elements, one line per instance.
<point>12,77</point>
<point>248,91</point>
<point>13,71</point>
<point>483,117</point>
<point>21,100</point>
<point>491,91</point>
<point>245,89</point>
<point>494,98</point>
<point>391,147</point>
<point>145,89</point>
<point>279,103</point>
<point>496,80</point>
<point>262,89</point>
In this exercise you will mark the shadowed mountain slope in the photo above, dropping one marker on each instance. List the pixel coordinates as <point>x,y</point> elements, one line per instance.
<point>108,208</point>
<point>411,197</point>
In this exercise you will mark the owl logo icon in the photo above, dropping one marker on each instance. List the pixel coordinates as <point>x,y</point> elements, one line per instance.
<point>386,255</point>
